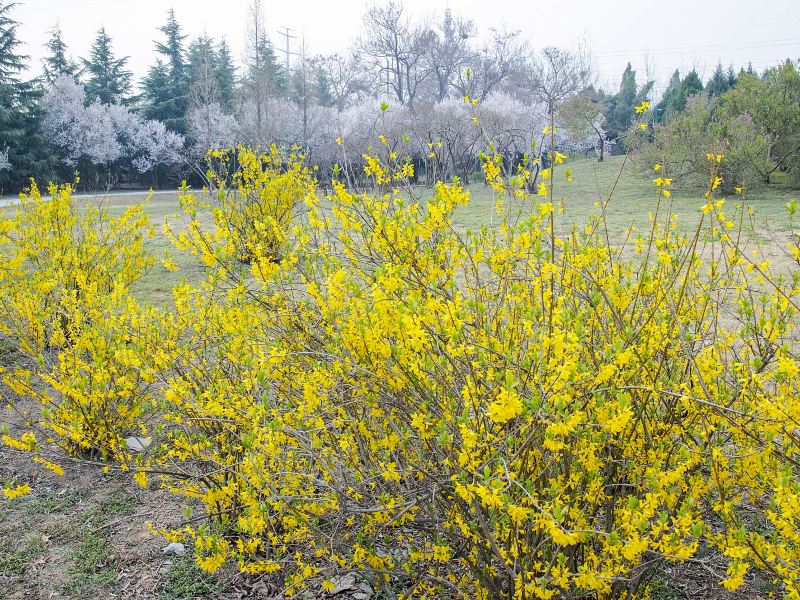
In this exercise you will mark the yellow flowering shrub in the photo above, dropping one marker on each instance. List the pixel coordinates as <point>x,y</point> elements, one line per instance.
<point>494,413</point>
<point>64,301</point>
<point>501,413</point>
<point>254,197</point>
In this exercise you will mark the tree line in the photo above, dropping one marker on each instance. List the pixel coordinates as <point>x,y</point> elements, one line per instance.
<point>401,76</point>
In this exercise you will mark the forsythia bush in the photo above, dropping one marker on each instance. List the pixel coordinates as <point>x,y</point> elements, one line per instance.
<point>500,413</point>
<point>64,285</point>
<point>256,202</point>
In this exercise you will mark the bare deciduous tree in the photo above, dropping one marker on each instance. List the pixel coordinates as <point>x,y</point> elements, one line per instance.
<point>558,74</point>
<point>448,53</point>
<point>345,77</point>
<point>395,48</point>
<point>501,56</point>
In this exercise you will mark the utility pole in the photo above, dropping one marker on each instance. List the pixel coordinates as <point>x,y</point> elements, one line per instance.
<point>287,34</point>
<point>305,95</point>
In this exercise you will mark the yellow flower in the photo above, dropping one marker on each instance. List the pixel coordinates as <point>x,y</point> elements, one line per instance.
<point>505,407</point>
<point>17,492</point>
<point>141,478</point>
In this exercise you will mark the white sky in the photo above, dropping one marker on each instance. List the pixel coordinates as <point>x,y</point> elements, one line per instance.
<point>656,36</point>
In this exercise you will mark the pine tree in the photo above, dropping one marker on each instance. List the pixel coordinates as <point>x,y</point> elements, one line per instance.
<point>748,71</point>
<point>732,79</point>
<point>56,63</point>
<point>108,79</point>
<point>200,66</point>
<point>225,72</point>
<point>323,92</point>
<point>719,82</point>
<point>11,63</point>
<point>25,153</point>
<point>691,86</point>
<point>166,85</point>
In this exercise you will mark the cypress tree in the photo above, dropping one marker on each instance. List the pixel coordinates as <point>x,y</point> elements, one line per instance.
<point>671,97</point>
<point>108,79</point>
<point>622,108</point>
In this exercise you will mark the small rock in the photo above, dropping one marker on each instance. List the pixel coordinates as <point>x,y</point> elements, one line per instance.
<point>343,584</point>
<point>138,444</point>
<point>175,548</point>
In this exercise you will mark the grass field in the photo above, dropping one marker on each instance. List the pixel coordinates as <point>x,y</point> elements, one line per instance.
<point>632,201</point>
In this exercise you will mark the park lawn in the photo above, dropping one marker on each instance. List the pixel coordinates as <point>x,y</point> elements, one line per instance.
<point>633,199</point>
<point>632,202</point>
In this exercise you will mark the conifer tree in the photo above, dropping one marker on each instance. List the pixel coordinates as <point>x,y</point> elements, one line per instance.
<point>225,72</point>
<point>622,106</point>
<point>200,66</point>
<point>719,82</point>
<point>23,152</point>
<point>57,63</point>
<point>108,79</point>
<point>166,85</point>
<point>691,86</point>
<point>671,98</point>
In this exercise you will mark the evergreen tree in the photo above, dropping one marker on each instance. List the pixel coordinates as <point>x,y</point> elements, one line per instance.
<point>24,152</point>
<point>670,98</point>
<point>166,86</point>
<point>225,72</point>
<point>56,63</point>
<point>691,86</point>
<point>201,62</point>
<point>11,63</point>
<point>622,106</point>
<point>108,79</point>
<point>719,82</point>
<point>265,69</point>
<point>732,79</point>
<point>749,71</point>
<point>323,90</point>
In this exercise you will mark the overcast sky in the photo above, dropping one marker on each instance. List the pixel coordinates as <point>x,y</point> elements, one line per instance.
<point>653,36</point>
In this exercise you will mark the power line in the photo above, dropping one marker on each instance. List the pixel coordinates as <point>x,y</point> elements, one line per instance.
<point>674,50</point>
<point>74,4</point>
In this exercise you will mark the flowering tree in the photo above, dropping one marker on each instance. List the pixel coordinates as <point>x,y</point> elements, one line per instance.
<point>78,131</point>
<point>210,128</point>
<point>104,134</point>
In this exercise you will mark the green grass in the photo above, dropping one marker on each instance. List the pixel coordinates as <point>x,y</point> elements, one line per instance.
<point>15,562</point>
<point>185,580</point>
<point>632,201</point>
<point>93,566</point>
